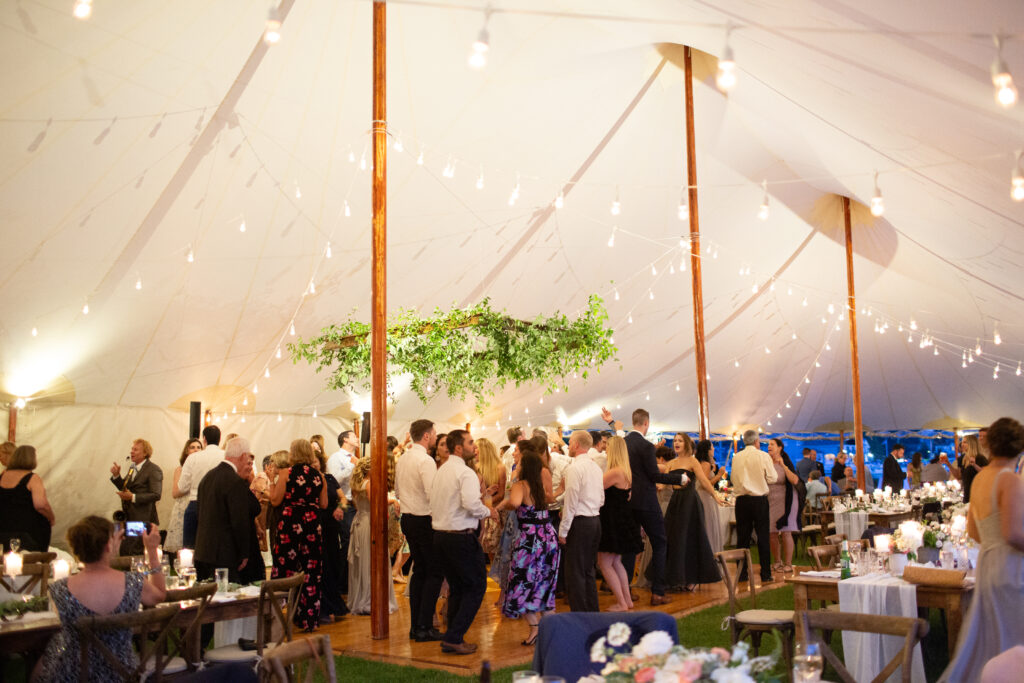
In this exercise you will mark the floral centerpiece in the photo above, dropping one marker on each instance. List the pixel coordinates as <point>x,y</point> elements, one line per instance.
<point>656,659</point>
<point>935,535</point>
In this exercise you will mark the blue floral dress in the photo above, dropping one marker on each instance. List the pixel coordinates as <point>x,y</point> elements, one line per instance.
<point>533,566</point>
<point>62,661</point>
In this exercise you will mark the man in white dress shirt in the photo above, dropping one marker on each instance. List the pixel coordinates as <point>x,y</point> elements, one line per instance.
<point>752,471</point>
<point>340,466</point>
<point>192,472</point>
<point>414,477</point>
<point>456,509</point>
<point>580,528</point>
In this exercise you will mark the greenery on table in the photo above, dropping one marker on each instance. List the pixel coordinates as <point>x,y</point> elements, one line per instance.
<point>14,609</point>
<point>474,350</point>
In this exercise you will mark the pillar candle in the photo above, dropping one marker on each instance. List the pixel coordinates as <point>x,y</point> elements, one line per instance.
<point>61,569</point>
<point>882,542</point>
<point>12,564</point>
<point>185,557</point>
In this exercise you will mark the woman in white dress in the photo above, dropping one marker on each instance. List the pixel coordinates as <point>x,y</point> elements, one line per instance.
<point>359,544</point>
<point>172,543</point>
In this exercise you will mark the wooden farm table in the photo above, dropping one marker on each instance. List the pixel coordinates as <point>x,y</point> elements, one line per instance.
<point>34,632</point>
<point>951,600</point>
<point>890,520</point>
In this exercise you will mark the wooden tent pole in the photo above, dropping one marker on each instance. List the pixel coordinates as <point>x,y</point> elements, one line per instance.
<point>851,311</point>
<point>380,574</point>
<point>698,292</point>
<point>12,424</point>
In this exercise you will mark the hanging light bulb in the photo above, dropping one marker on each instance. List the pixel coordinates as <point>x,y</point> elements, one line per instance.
<point>877,203</point>
<point>769,423</point>
<point>654,271</point>
<point>272,31</point>
<point>787,404</point>
<point>767,350</point>
<point>480,180</point>
<point>650,294</point>
<point>266,372</point>
<point>616,294</point>
<point>616,204</point>
<point>328,252</point>
<point>1006,92</point>
<point>995,372</point>
<point>736,363</point>
<point>351,156</point>
<point>241,226</point>
<point>936,351</point>
<point>279,417</point>
<point>611,239</point>
<point>683,211</point>
<point>798,393</point>
<point>277,354</point>
<point>648,397</point>
<point>1017,181</point>
<point>793,336</point>
<point>996,339</point>
<point>514,195</point>
<point>726,76</point>
<point>245,400</point>
<point>560,200</point>
<point>542,400</point>
<point>234,410</point>
<point>677,386</point>
<point>804,302</point>
<point>298,190</point>
<point>478,57</point>
<point>419,159</point>
<point>83,9</point>
<point>682,265</point>
<point>753,288</point>
<point>347,210</point>
<point>977,348</point>
<point>312,287</point>
<point>190,257</point>
<point>970,356</point>
<point>138,282</point>
<point>629,320</point>
<point>85,308</point>
<point>1018,369</point>
<point>399,147</point>
<point>762,212</point>
<point>314,412</point>
<point>291,329</point>
<point>362,162</point>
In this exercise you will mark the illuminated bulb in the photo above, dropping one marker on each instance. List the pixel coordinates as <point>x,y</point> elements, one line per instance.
<point>83,9</point>
<point>1018,369</point>
<point>527,411</point>
<point>817,364</point>
<point>936,352</point>
<point>514,196</point>
<point>35,332</point>
<point>677,386</point>
<point>650,294</point>
<point>683,212</point>
<point>787,404</point>
<point>351,157</point>
<point>828,347</point>
<point>542,400</point>
<point>611,239</point>
<point>726,76</point>
<point>877,203</point>
<point>671,269</point>
<point>682,265</point>
<point>753,288</point>
<point>272,31</point>
<point>630,319</point>
<point>778,414</point>
<point>977,348</point>
<point>807,380</point>
<point>347,209</point>
<point>241,226</point>
<point>771,287</point>
<point>741,270</point>
<point>85,308</point>
<point>312,287</point>
<point>314,413</point>
<point>1017,181</point>
<point>648,396</point>
<point>767,350</point>
<point>996,339</point>
<point>190,257</point>
<point>616,204</point>
<point>714,254</point>
<point>804,302</point>
<point>399,147</point>
<point>616,294</point>
<point>291,329</point>
<point>560,201</point>
<point>831,308</point>
<point>245,401</point>
<point>277,354</point>
<point>328,252</point>
<point>266,373</point>
<point>798,393</point>
<point>138,282</point>
<point>654,271</point>
<point>419,159</point>
<point>298,191</point>
<point>995,372</point>
<point>480,181</point>
<point>528,424</point>
<point>279,417</point>
<point>793,336</point>
<point>362,162</point>
<point>19,403</point>
<point>763,211</point>
<point>736,363</point>
<point>963,363</point>
<point>769,423</point>
<point>478,57</point>
<point>234,410</point>
<point>970,357</point>
<point>1006,92</point>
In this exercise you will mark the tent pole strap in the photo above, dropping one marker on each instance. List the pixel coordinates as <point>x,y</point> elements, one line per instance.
<point>695,273</point>
<point>851,311</point>
<point>380,574</point>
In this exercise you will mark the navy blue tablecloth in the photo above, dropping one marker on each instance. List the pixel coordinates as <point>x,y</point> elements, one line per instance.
<point>564,641</point>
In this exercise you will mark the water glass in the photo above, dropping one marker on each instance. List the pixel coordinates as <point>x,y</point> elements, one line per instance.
<point>139,564</point>
<point>946,559</point>
<point>221,573</point>
<point>187,576</point>
<point>808,662</point>
<point>525,677</point>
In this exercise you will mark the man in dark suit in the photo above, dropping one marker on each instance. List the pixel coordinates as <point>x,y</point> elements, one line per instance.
<point>644,499</point>
<point>892,474</point>
<point>226,535</point>
<point>139,491</point>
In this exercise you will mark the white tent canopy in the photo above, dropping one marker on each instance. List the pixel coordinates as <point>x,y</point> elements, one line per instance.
<point>136,143</point>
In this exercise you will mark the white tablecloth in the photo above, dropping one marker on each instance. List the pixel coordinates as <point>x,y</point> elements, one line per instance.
<point>726,514</point>
<point>866,654</point>
<point>853,524</point>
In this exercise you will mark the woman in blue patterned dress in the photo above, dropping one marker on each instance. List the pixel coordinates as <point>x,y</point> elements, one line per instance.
<point>98,590</point>
<point>301,492</point>
<point>533,568</point>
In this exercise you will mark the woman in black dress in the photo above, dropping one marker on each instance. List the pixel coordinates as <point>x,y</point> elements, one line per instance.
<point>332,605</point>
<point>690,560</point>
<point>620,534</point>
<point>25,513</point>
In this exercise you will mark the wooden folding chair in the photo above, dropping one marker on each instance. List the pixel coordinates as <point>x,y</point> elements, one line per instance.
<point>123,562</point>
<point>184,650</point>
<point>822,556</point>
<point>835,539</point>
<point>284,664</point>
<point>147,622</point>
<point>269,611</point>
<point>753,622</point>
<point>912,630</point>
<point>36,566</point>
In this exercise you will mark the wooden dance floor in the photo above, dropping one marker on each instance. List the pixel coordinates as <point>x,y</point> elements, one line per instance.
<point>499,639</point>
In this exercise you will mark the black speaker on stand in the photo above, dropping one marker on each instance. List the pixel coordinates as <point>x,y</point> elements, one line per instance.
<point>364,434</point>
<point>195,419</point>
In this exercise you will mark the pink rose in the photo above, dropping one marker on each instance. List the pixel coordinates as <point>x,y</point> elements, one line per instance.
<point>645,675</point>
<point>691,671</point>
<point>723,654</point>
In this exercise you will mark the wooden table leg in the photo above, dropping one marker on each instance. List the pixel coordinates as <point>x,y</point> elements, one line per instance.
<point>800,598</point>
<point>954,618</point>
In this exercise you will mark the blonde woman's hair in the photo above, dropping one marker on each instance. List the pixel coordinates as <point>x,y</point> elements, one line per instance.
<point>490,464</point>
<point>280,459</point>
<point>301,452</point>
<point>972,448</point>
<point>361,473</point>
<point>618,456</point>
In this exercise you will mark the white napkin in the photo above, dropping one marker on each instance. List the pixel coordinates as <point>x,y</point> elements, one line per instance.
<point>249,591</point>
<point>825,573</point>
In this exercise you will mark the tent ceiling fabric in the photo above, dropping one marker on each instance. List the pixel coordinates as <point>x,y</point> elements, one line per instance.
<point>114,168</point>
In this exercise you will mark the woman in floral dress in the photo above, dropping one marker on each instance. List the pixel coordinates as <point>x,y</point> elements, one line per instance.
<point>533,569</point>
<point>301,493</point>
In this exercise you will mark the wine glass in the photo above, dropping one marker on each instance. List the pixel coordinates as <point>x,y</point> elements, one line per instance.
<point>807,661</point>
<point>15,545</point>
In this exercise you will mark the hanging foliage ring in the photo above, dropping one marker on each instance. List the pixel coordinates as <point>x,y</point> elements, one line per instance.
<point>474,350</point>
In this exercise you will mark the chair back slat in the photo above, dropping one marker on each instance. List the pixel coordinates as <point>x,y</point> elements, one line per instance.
<point>911,629</point>
<point>272,593</point>
<point>737,560</point>
<point>282,664</point>
<point>835,539</point>
<point>39,573</point>
<point>187,643</point>
<point>822,555</point>
<point>158,619</point>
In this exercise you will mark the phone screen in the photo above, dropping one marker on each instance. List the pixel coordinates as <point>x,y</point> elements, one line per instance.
<point>135,528</point>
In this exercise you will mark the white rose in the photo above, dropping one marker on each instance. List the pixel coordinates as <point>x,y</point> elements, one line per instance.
<point>618,634</point>
<point>938,544</point>
<point>597,653</point>
<point>725,675</point>
<point>654,643</point>
<point>739,651</point>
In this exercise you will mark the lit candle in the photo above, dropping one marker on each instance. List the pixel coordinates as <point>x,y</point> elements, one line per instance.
<point>903,493</point>
<point>882,542</point>
<point>859,493</point>
<point>959,524</point>
<point>185,557</point>
<point>12,564</point>
<point>888,491</point>
<point>61,569</point>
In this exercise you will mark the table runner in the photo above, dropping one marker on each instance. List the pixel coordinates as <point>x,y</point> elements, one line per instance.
<point>866,654</point>
<point>853,524</point>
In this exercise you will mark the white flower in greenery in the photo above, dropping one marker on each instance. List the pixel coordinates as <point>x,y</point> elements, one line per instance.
<point>618,634</point>
<point>938,544</point>
<point>597,653</point>
<point>739,651</point>
<point>725,675</point>
<point>654,643</point>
